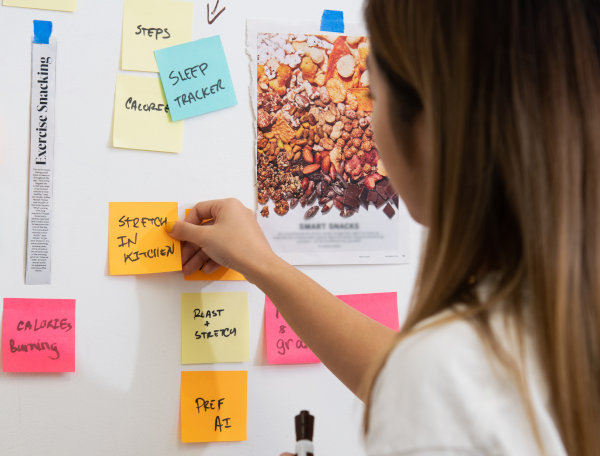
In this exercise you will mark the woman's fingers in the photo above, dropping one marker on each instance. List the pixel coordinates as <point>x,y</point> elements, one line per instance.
<point>188,250</point>
<point>197,261</point>
<point>211,266</point>
<point>185,231</point>
<point>202,211</point>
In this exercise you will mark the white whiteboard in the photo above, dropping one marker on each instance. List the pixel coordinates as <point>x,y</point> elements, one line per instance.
<point>124,396</point>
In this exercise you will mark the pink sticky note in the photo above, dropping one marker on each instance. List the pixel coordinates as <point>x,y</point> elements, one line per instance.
<point>285,347</point>
<point>38,335</point>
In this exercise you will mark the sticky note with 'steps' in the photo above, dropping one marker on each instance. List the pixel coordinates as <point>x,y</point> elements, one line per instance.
<point>195,77</point>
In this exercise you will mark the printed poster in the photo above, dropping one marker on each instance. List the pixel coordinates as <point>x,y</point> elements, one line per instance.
<point>323,194</point>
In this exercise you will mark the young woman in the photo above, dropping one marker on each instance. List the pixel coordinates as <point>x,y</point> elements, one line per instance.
<point>487,116</point>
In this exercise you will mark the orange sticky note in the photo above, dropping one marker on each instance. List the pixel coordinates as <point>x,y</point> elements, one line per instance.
<point>137,240</point>
<point>213,406</point>
<point>220,274</point>
<point>38,335</point>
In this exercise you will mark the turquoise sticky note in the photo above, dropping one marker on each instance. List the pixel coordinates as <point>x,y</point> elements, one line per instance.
<point>195,77</point>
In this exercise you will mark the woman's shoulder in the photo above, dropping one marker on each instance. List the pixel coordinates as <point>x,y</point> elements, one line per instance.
<point>445,336</point>
<point>442,392</point>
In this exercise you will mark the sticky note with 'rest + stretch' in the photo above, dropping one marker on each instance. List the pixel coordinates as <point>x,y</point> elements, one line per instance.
<point>214,328</point>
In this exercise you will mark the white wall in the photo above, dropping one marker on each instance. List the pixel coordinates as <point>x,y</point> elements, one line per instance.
<point>124,396</point>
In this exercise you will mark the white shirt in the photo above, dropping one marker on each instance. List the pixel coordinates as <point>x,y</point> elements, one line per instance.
<point>441,393</point>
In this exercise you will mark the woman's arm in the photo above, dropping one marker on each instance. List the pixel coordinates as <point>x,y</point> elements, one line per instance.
<point>345,340</point>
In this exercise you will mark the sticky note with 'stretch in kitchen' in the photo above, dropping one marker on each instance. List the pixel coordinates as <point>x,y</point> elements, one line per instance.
<point>214,328</point>
<point>153,24</point>
<point>38,335</point>
<point>285,347</point>
<point>195,77</point>
<point>213,406</point>
<point>141,120</point>
<point>137,240</point>
<point>56,5</point>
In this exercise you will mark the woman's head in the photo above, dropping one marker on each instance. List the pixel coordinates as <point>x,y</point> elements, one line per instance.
<point>494,110</point>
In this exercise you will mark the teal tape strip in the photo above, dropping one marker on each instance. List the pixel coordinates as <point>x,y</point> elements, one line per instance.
<point>42,31</point>
<point>332,21</point>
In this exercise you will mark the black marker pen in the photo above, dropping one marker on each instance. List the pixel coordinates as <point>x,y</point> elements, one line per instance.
<point>304,433</point>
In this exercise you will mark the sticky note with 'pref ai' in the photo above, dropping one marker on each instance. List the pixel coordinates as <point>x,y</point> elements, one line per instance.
<point>195,77</point>
<point>213,406</point>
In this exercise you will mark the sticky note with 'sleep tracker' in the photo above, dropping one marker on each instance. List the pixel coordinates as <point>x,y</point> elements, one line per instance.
<point>153,24</point>
<point>285,347</point>
<point>137,240</point>
<point>38,335</point>
<point>56,5</point>
<point>195,77</point>
<point>214,328</point>
<point>213,406</point>
<point>141,120</point>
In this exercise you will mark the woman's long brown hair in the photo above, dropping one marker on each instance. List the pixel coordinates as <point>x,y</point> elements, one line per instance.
<point>511,89</point>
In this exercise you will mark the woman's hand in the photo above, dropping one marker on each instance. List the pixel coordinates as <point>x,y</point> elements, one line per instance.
<point>221,233</point>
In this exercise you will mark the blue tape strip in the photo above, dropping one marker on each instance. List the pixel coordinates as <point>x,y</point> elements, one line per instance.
<point>42,31</point>
<point>332,21</point>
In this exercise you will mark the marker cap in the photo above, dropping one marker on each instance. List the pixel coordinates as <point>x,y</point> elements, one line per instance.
<point>304,426</point>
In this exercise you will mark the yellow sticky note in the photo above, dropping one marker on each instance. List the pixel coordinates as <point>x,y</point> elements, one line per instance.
<point>141,119</point>
<point>137,240</point>
<point>153,24</point>
<point>213,406</point>
<point>56,5</point>
<point>214,328</point>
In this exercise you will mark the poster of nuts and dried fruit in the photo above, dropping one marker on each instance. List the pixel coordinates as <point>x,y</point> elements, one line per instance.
<point>315,146</point>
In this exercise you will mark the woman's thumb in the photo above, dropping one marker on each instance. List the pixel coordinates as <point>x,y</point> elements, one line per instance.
<point>184,231</point>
